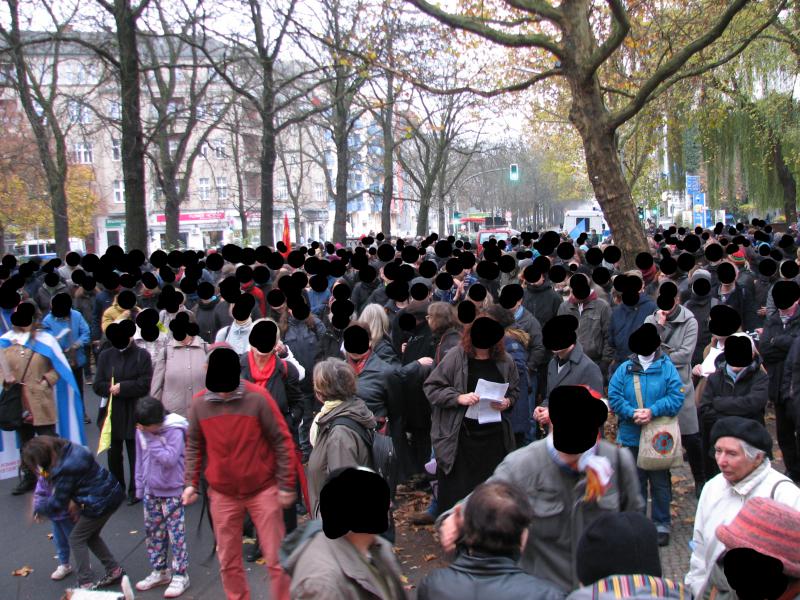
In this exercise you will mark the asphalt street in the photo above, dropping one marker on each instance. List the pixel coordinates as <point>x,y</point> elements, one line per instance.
<point>25,543</point>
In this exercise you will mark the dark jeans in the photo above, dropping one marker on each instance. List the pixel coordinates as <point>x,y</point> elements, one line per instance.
<point>115,464</point>
<point>661,493</point>
<point>28,432</point>
<point>85,536</point>
<point>787,440</point>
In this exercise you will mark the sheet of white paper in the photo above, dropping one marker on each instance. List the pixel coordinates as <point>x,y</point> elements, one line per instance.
<point>708,366</point>
<point>488,392</point>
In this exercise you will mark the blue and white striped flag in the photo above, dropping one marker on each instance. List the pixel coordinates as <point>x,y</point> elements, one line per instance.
<point>66,396</point>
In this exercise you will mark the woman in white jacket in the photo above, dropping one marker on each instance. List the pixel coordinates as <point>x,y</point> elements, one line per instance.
<point>743,449</point>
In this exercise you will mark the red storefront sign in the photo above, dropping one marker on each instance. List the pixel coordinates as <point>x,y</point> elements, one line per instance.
<point>192,217</point>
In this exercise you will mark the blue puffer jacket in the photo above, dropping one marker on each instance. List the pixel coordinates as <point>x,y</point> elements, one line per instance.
<point>662,392</point>
<point>78,477</point>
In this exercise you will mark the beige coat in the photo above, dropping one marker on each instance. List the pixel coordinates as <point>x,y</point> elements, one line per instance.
<point>39,381</point>
<point>178,374</point>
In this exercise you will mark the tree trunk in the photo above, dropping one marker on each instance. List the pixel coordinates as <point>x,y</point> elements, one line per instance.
<point>442,217</point>
<point>172,215</point>
<point>424,210</point>
<point>388,157</point>
<point>269,157</point>
<point>133,172</point>
<point>342,175</point>
<point>2,238</point>
<point>588,114</point>
<point>296,206</point>
<point>788,183</point>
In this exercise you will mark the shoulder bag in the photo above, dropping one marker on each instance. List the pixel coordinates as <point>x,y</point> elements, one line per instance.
<point>659,441</point>
<point>11,405</point>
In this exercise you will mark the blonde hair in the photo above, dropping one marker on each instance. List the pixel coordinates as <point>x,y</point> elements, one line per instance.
<point>374,317</point>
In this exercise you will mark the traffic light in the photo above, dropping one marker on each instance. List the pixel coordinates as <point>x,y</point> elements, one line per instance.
<point>513,172</point>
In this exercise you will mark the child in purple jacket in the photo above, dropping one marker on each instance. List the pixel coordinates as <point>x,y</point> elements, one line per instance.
<point>62,526</point>
<point>160,443</point>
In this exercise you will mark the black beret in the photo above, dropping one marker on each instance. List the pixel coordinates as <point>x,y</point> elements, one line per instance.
<point>747,430</point>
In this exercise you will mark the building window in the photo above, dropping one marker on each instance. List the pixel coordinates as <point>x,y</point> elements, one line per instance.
<point>319,192</point>
<point>220,149</point>
<point>82,153</point>
<point>203,150</point>
<point>78,113</point>
<point>116,149</point>
<point>281,191</point>
<point>173,148</point>
<point>204,188</point>
<point>222,188</point>
<point>119,191</point>
<point>114,110</point>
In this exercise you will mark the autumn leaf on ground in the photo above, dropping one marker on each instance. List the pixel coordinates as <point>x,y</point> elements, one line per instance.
<point>430,557</point>
<point>261,561</point>
<point>22,571</point>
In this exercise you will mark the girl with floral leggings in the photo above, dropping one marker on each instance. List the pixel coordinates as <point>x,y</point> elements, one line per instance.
<point>160,443</point>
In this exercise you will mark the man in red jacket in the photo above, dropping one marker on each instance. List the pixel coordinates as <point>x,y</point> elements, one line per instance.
<point>238,429</point>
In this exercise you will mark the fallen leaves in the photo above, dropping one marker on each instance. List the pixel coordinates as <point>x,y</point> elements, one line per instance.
<point>429,557</point>
<point>22,571</point>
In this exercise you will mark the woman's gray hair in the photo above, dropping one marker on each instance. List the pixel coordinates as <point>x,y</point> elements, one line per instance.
<point>334,379</point>
<point>750,451</point>
<point>374,316</point>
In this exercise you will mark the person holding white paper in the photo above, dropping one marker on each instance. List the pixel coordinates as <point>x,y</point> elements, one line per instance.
<point>468,445</point>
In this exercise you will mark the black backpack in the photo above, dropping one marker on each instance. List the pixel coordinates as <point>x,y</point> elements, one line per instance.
<point>384,457</point>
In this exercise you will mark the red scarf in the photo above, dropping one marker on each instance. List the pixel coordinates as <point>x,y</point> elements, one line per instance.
<point>358,365</point>
<point>261,376</point>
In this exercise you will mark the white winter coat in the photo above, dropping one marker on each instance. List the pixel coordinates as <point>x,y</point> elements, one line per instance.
<point>719,503</point>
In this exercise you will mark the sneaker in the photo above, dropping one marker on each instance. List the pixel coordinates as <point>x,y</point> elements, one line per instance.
<point>663,538</point>
<point>61,572</point>
<point>178,585</point>
<point>110,578</point>
<point>155,579</point>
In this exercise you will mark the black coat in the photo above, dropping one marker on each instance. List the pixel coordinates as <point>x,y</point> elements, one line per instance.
<point>747,397</point>
<point>701,309</point>
<point>362,292</point>
<point>542,302</point>
<point>284,386</point>
<point>206,318</point>
<point>478,576</point>
<point>133,370</point>
<point>774,345</point>
<point>374,383</point>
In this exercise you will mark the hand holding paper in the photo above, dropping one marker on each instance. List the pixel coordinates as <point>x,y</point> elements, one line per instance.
<point>489,393</point>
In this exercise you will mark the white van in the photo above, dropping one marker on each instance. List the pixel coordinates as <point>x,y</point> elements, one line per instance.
<point>581,221</point>
<point>46,249</point>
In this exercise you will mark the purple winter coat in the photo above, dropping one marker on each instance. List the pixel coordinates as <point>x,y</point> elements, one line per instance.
<point>160,459</point>
<point>41,495</point>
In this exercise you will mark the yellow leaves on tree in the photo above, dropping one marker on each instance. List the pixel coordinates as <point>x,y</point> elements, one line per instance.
<point>23,207</point>
<point>82,200</point>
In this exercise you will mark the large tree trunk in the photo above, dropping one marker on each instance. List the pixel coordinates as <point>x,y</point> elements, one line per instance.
<point>442,217</point>
<point>172,215</point>
<point>424,211</point>
<point>388,157</point>
<point>588,115</point>
<point>342,174</point>
<point>269,157</point>
<point>788,183</point>
<point>132,137</point>
<point>296,206</point>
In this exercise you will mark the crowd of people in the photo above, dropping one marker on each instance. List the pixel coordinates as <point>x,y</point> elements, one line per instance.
<point>541,391</point>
